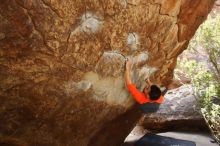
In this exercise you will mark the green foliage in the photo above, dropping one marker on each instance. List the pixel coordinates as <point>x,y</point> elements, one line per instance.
<point>212,118</point>
<point>208,36</point>
<point>201,78</point>
<point>188,66</point>
<point>205,75</point>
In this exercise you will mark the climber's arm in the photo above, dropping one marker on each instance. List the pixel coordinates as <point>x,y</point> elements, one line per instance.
<point>127,72</point>
<point>148,82</point>
<point>138,96</point>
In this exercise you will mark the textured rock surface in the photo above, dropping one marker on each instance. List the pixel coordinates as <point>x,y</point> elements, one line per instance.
<point>62,62</point>
<point>179,111</point>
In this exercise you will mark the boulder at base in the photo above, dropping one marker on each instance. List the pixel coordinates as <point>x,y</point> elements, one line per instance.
<point>180,111</point>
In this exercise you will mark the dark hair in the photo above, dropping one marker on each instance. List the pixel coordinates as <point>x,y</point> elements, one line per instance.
<point>155,92</point>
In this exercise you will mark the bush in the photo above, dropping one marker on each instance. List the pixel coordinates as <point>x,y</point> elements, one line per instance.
<point>205,75</point>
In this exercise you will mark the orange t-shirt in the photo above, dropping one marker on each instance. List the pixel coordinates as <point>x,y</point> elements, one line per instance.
<point>140,97</point>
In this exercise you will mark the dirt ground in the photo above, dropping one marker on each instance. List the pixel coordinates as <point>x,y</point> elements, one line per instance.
<point>200,138</point>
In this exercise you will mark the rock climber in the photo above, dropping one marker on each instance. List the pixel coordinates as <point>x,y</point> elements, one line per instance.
<point>151,97</point>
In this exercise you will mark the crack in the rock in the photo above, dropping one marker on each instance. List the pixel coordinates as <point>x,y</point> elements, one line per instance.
<point>41,34</point>
<point>160,13</point>
<point>35,27</point>
<point>178,32</point>
<point>67,40</point>
<point>135,39</point>
<point>131,4</point>
<point>52,9</point>
<point>160,7</point>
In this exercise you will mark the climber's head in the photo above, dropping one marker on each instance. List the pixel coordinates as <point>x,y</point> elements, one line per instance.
<point>153,91</point>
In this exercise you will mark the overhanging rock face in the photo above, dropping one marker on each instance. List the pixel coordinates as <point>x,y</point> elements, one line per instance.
<point>62,65</point>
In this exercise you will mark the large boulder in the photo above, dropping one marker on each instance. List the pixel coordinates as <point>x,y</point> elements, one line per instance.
<point>62,65</point>
<point>180,111</point>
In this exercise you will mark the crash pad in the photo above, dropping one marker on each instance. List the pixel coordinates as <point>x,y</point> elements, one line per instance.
<point>157,140</point>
